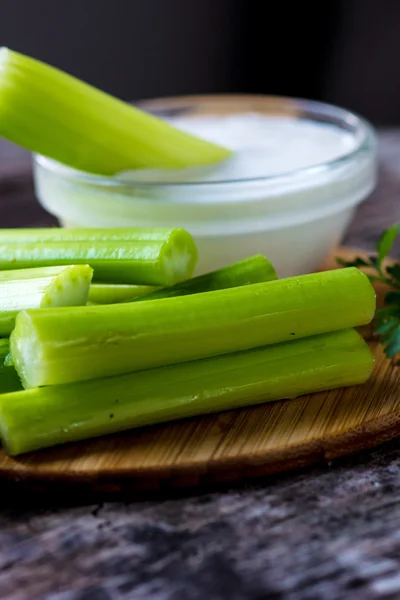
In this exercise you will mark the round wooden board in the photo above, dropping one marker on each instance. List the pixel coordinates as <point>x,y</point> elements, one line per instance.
<point>229,446</point>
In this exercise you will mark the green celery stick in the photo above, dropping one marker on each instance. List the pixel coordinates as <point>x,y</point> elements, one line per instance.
<point>41,288</point>
<point>245,272</point>
<point>163,261</point>
<point>9,380</point>
<point>41,417</point>
<point>95,234</point>
<point>51,113</point>
<point>71,344</point>
<point>113,293</point>
<point>4,350</point>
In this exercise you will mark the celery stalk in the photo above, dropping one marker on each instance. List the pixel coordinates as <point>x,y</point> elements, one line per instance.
<point>4,350</point>
<point>95,234</point>
<point>49,112</point>
<point>245,272</point>
<point>42,287</point>
<point>163,261</point>
<point>41,417</point>
<point>71,344</point>
<point>113,293</point>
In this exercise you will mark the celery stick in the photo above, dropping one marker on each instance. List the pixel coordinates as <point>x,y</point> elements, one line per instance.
<point>4,350</point>
<point>164,261</point>
<point>41,417</point>
<point>51,113</point>
<point>245,272</point>
<point>42,287</point>
<point>113,293</point>
<point>71,344</point>
<point>95,234</point>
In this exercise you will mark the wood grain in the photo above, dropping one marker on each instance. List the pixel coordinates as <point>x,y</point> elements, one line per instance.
<point>248,442</point>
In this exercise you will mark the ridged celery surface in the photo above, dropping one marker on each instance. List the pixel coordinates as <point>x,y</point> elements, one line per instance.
<point>128,257</point>
<point>113,293</point>
<point>49,112</point>
<point>41,288</point>
<point>41,417</point>
<point>69,344</point>
<point>245,272</point>
<point>87,234</point>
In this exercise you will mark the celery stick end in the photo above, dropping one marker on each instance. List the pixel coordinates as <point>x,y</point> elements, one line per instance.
<point>179,257</point>
<point>25,351</point>
<point>69,288</point>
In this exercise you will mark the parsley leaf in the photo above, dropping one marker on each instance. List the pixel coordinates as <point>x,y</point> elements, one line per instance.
<point>388,318</point>
<point>386,242</point>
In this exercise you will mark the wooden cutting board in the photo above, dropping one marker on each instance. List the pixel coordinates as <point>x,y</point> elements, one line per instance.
<point>233,445</point>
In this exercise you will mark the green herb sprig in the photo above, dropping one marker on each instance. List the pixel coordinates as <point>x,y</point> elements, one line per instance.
<point>388,318</point>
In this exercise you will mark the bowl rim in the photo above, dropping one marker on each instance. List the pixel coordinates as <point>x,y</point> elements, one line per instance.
<point>300,108</point>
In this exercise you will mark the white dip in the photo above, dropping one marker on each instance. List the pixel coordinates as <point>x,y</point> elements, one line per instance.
<point>263,146</point>
<point>281,194</point>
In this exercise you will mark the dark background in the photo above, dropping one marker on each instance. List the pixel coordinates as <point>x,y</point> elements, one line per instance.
<point>341,51</point>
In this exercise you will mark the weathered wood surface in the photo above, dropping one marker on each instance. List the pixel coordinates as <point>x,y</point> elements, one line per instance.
<point>327,533</point>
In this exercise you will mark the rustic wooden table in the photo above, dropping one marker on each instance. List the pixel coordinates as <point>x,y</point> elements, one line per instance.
<point>327,533</point>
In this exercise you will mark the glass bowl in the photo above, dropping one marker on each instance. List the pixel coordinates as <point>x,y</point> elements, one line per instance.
<point>293,218</point>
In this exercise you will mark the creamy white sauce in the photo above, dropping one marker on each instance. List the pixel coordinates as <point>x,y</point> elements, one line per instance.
<point>293,220</point>
<point>263,146</point>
